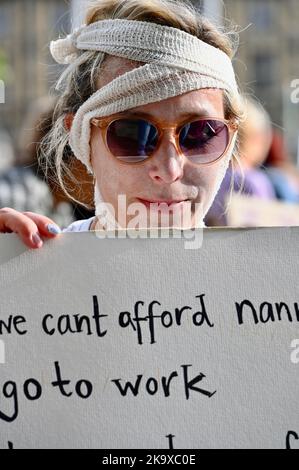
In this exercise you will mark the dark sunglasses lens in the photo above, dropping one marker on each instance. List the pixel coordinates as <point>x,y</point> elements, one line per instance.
<point>131,140</point>
<point>204,141</point>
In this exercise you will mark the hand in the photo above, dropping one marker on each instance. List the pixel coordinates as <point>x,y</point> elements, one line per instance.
<point>29,226</point>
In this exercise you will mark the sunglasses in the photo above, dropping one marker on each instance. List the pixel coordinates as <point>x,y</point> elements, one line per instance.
<point>134,140</point>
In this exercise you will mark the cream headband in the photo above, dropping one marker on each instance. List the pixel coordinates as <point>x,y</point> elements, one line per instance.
<point>175,62</point>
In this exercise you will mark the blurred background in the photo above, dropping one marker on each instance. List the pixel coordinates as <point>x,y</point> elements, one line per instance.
<point>264,192</point>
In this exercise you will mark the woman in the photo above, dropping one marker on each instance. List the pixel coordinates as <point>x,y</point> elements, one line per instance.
<point>150,105</point>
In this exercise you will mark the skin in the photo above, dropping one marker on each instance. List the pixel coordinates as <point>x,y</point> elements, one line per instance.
<point>167,175</point>
<point>27,225</point>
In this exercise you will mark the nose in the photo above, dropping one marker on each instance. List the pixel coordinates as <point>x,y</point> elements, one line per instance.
<point>167,165</point>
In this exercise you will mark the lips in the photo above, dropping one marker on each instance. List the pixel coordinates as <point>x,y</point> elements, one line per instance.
<point>173,203</point>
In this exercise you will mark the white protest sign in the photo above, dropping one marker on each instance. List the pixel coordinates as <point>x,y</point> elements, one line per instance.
<point>122,343</point>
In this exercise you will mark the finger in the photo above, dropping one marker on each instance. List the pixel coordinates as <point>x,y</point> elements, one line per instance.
<point>14,221</point>
<point>46,226</point>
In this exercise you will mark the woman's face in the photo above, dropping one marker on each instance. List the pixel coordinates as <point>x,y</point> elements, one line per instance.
<point>166,176</point>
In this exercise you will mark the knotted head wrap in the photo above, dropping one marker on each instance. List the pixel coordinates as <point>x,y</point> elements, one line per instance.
<point>176,62</point>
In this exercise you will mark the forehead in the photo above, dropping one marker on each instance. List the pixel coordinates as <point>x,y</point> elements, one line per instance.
<point>205,102</point>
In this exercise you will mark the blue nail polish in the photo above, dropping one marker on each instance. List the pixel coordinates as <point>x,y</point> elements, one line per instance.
<point>53,229</point>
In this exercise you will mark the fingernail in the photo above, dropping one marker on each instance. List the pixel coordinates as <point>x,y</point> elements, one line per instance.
<point>36,239</point>
<point>53,229</point>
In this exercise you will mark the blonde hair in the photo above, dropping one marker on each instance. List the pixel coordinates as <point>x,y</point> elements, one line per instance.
<point>82,82</point>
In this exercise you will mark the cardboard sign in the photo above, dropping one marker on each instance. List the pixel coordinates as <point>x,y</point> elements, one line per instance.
<point>123,343</point>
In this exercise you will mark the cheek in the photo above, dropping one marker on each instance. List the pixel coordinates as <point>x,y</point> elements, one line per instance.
<point>205,177</point>
<point>212,176</point>
<point>113,177</point>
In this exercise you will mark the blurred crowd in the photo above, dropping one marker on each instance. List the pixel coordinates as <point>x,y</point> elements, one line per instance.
<point>261,169</point>
<point>25,183</point>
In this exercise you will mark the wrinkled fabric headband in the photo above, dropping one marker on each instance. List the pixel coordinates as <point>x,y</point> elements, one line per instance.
<point>176,62</point>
